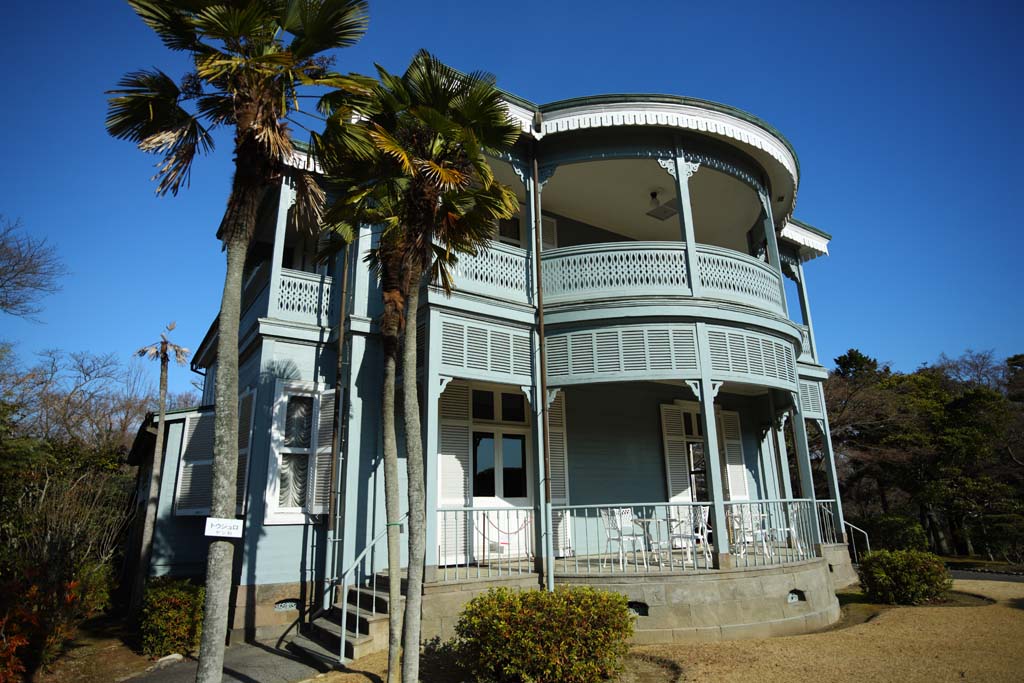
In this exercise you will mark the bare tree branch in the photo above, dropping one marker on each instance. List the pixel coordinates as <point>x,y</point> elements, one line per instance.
<point>29,270</point>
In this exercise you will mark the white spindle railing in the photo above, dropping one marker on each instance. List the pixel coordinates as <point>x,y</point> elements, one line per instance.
<point>605,271</point>
<point>303,298</point>
<point>484,542</point>
<point>767,532</point>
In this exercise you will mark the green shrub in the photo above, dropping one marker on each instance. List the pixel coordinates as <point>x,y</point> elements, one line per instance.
<point>574,635</point>
<point>896,532</point>
<point>172,617</point>
<point>903,577</point>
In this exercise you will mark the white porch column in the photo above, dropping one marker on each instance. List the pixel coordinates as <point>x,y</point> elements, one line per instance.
<point>803,463</point>
<point>284,203</point>
<point>805,309</point>
<point>830,469</point>
<point>706,389</point>
<point>772,243</point>
<point>433,386</point>
<point>681,170</point>
<point>778,438</point>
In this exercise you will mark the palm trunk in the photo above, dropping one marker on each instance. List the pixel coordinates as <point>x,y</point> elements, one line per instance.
<point>417,489</point>
<point>390,325</point>
<point>153,495</point>
<point>235,234</point>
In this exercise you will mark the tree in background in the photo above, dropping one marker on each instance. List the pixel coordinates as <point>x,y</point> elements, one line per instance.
<point>29,270</point>
<point>415,161</point>
<point>161,351</point>
<point>250,58</point>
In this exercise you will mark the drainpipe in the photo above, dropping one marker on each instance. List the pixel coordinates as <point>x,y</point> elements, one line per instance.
<point>336,506</point>
<point>549,553</point>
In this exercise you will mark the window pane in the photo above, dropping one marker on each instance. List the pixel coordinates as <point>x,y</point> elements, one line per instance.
<point>688,423</point>
<point>513,466</point>
<point>508,230</point>
<point>513,408</point>
<point>483,405</point>
<point>292,480</point>
<point>483,464</point>
<point>298,421</point>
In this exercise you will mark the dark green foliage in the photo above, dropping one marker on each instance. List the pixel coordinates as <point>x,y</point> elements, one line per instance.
<point>896,532</point>
<point>574,635</point>
<point>903,577</point>
<point>172,617</point>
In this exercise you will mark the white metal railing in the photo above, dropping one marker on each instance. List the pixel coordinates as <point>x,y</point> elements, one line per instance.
<point>830,533</point>
<point>631,538</point>
<point>500,271</point>
<point>302,297</point>
<point>734,276</point>
<point>484,542</point>
<point>853,541</point>
<point>361,574</point>
<point>604,271</point>
<point>770,532</point>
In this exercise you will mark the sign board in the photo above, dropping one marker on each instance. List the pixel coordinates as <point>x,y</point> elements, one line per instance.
<point>223,528</point>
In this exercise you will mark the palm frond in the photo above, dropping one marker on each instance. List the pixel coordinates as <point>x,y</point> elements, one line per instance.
<point>172,24</point>
<point>325,24</point>
<point>308,212</point>
<point>236,25</point>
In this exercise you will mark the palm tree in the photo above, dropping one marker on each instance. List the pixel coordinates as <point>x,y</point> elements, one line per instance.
<point>416,163</point>
<point>250,57</point>
<point>162,351</point>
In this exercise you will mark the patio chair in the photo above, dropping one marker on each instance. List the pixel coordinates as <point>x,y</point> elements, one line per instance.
<point>619,528</point>
<point>686,529</point>
<point>747,529</point>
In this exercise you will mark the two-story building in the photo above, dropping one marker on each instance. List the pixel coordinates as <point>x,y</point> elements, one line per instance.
<point>607,396</point>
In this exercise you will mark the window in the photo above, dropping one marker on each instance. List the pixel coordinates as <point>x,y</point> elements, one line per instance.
<point>491,406</point>
<point>499,465</point>
<point>298,477</point>
<point>516,230</point>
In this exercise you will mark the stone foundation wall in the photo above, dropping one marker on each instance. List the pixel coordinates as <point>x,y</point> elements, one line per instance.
<point>443,602</point>
<point>267,612</point>
<point>725,604</point>
<point>840,567</point>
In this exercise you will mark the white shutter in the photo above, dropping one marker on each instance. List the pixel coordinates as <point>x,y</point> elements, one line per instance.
<point>677,462</point>
<point>246,408</point>
<point>453,471</point>
<point>558,453</point>
<point>731,440</point>
<point>195,467</point>
<point>318,491</point>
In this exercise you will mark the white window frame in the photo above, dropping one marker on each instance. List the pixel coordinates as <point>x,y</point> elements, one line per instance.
<point>283,390</point>
<point>693,407</point>
<point>498,427</point>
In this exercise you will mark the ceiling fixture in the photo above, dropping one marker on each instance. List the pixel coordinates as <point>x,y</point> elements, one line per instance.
<point>660,211</point>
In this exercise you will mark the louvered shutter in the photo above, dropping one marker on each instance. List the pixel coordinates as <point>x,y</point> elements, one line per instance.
<point>246,407</point>
<point>677,462</point>
<point>558,452</point>
<point>195,469</point>
<point>319,488</point>
<point>453,464</point>
<point>731,440</point>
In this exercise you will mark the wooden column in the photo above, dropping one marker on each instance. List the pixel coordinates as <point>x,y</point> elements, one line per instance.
<point>805,310</point>
<point>433,387</point>
<point>803,463</point>
<point>285,200</point>
<point>772,243</point>
<point>682,170</point>
<point>706,389</point>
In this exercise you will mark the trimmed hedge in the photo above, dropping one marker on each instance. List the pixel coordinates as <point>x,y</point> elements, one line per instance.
<point>573,635</point>
<point>172,617</point>
<point>903,577</point>
<point>896,532</point>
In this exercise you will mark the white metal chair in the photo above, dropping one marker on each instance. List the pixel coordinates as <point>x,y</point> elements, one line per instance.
<point>619,528</point>
<point>747,529</point>
<point>686,530</point>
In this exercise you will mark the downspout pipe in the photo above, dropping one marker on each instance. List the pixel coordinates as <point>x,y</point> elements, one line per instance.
<point>339,484</point>
<point>549,555</point>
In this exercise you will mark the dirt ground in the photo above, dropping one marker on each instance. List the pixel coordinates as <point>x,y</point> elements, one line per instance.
<point>969,644</point>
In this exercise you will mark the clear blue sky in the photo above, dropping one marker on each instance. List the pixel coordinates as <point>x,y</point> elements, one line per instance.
<point>905,119</point>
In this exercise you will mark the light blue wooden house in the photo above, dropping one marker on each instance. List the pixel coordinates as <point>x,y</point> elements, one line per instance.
<point>607,402</point>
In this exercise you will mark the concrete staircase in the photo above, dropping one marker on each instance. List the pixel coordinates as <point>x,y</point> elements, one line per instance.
<point>365,628</point>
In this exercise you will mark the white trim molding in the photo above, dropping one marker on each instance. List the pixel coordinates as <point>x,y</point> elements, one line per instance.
<point>813,245</point>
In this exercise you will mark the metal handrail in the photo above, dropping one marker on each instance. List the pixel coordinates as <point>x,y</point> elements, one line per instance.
<point>853,543</point>
<point>343,582</point>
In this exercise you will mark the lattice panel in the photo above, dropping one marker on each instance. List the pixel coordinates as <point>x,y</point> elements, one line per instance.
<point>607,270</point>
<point>304,297</point>
<point>735,277</point>
<point>497,271</point>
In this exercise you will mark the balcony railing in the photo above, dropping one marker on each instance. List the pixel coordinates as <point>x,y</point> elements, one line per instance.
<point>498,272</point>
<point>645,269</point>
<point>484,542</point>
<point>302,298</point>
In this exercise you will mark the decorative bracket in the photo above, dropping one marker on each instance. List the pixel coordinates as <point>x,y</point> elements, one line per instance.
<point>670,166</point>
<point>444,381</point>
<point>552,393</point>
<point>545,172</point>
<point>521,168</point>
<point>694,385</point>
<point>527,391</point>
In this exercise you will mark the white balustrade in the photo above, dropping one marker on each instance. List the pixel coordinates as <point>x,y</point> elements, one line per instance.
<point>303,297</point>
<point>498,271</point>
<point>618,269</point>
<point>732,276</point>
